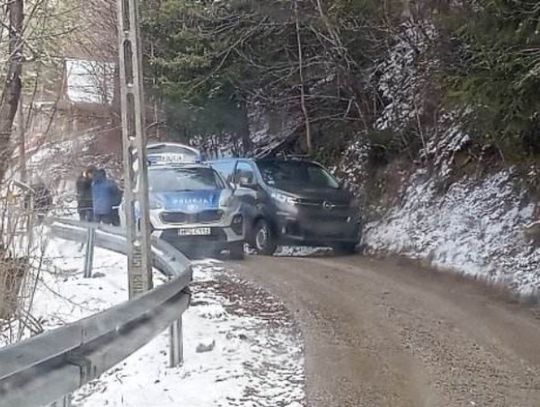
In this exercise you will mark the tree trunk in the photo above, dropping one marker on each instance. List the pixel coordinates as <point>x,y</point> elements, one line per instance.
<point>305,112</point>
<point>244,130</point>
<point>13,85</point>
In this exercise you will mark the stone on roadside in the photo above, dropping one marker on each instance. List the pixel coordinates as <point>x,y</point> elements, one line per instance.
<point>206,346</point>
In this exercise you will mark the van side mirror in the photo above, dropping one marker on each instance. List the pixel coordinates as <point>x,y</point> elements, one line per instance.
<point>246,182</point>
<point>343,184</point>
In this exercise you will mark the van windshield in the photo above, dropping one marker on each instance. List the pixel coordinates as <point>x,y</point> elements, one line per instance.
<point>283,174</point>
<point>183,179</point>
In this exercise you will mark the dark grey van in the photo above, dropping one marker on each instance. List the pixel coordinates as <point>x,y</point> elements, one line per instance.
<point>292,202</point>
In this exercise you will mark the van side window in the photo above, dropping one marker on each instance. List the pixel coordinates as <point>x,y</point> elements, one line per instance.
<point>226,169</point>
<point>245,173</point>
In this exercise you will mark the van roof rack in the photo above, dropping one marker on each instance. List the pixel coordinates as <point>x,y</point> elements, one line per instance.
<point>163,153</point>
<point>294,156</point>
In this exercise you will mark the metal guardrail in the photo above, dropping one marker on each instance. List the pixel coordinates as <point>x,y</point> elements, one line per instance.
<point>166,258</point>
<point>50,366</point>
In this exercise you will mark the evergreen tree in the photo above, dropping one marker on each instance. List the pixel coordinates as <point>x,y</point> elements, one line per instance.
<point>495,73</point>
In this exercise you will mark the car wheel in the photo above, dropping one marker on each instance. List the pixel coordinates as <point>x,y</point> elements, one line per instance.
<point>345,248</point>
<point>236,251</point>
<point>264,238</point>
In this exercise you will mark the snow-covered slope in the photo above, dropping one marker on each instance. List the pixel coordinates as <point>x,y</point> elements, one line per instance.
<point>450,209</point>
<point>476,228</point>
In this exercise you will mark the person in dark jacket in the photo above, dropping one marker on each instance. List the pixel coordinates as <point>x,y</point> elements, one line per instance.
<point>84,195</point>
<point>104,195</point>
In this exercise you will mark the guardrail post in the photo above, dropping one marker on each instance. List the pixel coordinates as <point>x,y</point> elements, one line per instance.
<point>63,402</point>
<point>176,353</point>
<point>89,254</point>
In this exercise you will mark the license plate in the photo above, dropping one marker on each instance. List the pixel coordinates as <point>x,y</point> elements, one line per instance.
<point>194,232</point>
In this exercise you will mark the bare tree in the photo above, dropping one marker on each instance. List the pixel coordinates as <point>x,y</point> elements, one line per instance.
<point>305,112</point>
<point>11,91</point>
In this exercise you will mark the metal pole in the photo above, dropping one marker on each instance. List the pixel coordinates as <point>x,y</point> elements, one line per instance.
<point>176,355</point>
<point>89,255</point>
<point>134,142</point>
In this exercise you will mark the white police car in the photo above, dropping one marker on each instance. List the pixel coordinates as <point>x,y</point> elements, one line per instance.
<point>191,205</point>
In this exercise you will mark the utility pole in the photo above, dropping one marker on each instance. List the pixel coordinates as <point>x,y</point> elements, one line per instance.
<point>134,146</point>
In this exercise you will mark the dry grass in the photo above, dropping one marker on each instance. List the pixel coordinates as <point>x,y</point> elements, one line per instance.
<point>12,271</point>
<point>20,261</point>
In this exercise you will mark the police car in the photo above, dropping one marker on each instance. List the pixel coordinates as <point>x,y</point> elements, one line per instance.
<point>191,205</point>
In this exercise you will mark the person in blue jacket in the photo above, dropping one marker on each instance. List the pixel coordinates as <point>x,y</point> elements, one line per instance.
<point>104,195</point>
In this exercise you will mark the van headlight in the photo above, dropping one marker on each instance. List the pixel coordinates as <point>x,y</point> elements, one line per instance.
<point>237,224</point>
<point>282,198</point>
<point>226,200</point>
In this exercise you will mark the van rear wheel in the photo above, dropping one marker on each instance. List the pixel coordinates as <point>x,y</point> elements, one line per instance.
<point>264,238</point>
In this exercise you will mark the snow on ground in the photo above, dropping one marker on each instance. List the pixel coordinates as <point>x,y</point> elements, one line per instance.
<point>476,228</point>
<point>64,296</point>
<point>252,355</point>
<point>301,251</point>
<point>399,78</point>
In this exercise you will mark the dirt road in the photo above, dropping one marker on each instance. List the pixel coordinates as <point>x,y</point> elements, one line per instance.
<point>387,334</point>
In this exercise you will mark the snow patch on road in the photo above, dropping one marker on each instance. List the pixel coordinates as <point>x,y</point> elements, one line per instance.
<point>301,251</point>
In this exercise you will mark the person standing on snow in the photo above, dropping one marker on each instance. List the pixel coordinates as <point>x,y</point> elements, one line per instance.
<point>84,195</point>
<point>104,195</point>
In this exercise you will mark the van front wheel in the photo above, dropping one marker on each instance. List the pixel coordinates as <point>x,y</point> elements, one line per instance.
<point>264,239</point>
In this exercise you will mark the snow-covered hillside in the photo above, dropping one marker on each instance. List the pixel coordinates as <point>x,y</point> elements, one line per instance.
<point>476,228</point>
<point>450,208</point>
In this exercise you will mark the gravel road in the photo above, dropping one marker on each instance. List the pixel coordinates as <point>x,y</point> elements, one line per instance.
<point>389,334</point>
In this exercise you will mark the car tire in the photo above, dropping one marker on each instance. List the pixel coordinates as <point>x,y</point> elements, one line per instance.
<point>264,239</point>
<point>345,249</point>
<point>236,251</point>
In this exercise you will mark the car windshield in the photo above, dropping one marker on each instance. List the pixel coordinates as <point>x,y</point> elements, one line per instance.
<point>290,173</point>
<point>183,179</point>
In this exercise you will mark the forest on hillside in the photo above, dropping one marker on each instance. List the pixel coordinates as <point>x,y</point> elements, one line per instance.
<point>328,73</point>
<point>393,73</point>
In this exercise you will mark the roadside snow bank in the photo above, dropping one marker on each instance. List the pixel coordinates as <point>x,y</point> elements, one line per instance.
<point>476,228</point>
<point>255,357</point>
<point>239,350</point>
